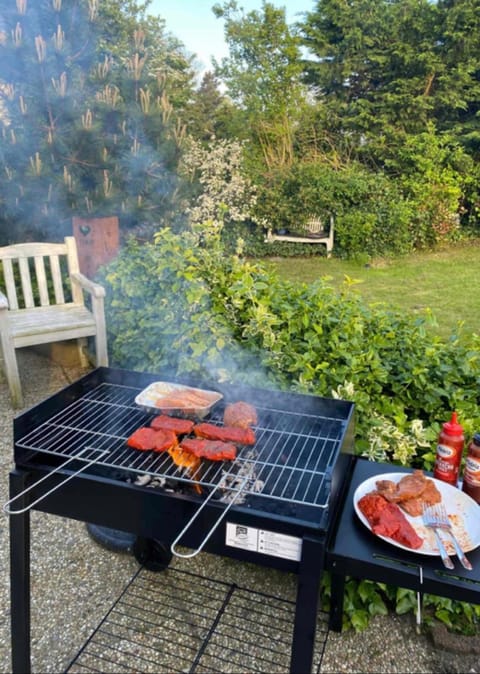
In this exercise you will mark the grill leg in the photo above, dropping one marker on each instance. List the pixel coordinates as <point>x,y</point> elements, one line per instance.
<point>20,578</point>
<point>336,601</point>
<point>308,587</point>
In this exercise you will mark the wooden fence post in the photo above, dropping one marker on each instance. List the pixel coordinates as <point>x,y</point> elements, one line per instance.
<point>97,242</point>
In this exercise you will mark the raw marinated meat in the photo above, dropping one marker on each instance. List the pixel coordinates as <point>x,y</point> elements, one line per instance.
<point>386,519</point>
<point>372,505</point>
<point>145,439</point>
<point>214,450</point>
<point>241,436</point>
<point>240,415</point>
<point>185,399</point>
<point>175,424</point>
<point>165,440</point>
<point>142,439</point>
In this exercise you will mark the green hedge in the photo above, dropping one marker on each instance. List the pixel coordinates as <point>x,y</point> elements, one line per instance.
<point>372,215</point>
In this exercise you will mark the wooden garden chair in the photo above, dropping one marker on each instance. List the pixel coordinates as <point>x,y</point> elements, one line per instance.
<point>45,302</point>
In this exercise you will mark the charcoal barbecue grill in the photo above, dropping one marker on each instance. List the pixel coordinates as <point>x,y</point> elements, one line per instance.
<point>274,505</point>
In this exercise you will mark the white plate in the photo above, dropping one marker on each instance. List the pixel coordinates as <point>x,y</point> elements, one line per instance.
<point>464,514</point>
<point>151,399</point>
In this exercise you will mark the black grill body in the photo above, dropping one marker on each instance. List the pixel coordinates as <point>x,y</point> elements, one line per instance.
<point>286,490</point>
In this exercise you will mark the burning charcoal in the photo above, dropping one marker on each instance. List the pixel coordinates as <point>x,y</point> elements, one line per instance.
<point>258,486</point>
<point>158,482</point>
<point>142,480</point>
<point>238,485</point>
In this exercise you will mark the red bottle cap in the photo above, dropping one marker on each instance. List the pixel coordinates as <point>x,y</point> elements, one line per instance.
<point>452,427</point>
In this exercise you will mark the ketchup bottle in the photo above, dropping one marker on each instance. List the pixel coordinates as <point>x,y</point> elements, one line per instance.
<point>449,451</point>
<point>471,474</point>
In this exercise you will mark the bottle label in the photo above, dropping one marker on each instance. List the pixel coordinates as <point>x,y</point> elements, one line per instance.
<point>447,464</point>
<point>472,471</point>
<point>445,452</point>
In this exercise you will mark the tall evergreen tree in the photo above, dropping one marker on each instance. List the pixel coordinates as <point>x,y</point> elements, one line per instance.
<point>389,67</point>
<point>210,112</point>
<point>86,130</point>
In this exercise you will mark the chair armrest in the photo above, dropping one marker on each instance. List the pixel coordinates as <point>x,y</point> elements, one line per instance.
<point>3,301</point>
<point>95,289</point>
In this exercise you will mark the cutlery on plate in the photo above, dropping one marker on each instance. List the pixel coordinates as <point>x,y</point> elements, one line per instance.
<point>440,518</point>
<point>430,521</point>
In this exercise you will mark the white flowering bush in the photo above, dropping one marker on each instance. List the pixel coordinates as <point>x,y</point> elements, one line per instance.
<point>385,440</point>
<point>226,195</point>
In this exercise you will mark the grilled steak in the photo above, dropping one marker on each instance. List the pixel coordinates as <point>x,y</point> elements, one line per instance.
<point>240,436</point>
<point>175,424</point>
<point>429,496</point>
<point>215,450</point>
<point>410,486</point>
<point>412,493</point>
<point>240,415</point>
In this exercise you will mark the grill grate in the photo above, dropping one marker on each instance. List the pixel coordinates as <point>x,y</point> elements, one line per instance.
<point>291,461</point>
<point>178,621</point>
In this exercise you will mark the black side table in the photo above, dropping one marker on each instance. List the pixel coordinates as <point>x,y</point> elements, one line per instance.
<point>354,551</point>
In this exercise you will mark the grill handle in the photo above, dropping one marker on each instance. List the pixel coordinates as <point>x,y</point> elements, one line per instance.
<point>197,513</point>
<point>88,462</point>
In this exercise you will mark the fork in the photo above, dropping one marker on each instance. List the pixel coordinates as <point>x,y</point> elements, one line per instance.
<point>430,521</point>
<point>442,522</point>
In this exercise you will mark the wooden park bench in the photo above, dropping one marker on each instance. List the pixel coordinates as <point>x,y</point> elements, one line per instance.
<point>313,232</point>
<point>44,302</point>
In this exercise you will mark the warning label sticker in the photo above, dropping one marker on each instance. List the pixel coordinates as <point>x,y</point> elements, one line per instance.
<point>263,541</point>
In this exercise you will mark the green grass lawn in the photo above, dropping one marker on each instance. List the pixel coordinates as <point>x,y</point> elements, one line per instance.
<point>445,281</point>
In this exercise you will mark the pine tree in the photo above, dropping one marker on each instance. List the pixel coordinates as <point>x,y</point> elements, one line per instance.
<point>84,131</point>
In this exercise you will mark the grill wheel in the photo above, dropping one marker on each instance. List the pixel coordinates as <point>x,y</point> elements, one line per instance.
<point>152,554</point>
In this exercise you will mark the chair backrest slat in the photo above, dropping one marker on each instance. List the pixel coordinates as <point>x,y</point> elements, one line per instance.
<point>73,267</point>
<point>57,279</point>
<point>26,280</point>
<point>41,281</point>
<point>32,273</point>
<point>10,287</point>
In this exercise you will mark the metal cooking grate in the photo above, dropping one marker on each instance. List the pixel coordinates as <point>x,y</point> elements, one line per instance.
<point>178,621</point>
<point>291,461</point>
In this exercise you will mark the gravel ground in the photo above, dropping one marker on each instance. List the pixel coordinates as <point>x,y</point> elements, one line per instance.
<point>75,581</point>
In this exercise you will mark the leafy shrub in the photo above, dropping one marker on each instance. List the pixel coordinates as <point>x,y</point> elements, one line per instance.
<point>427,165</point>
<point>371,214</point>
<point>182,304</point>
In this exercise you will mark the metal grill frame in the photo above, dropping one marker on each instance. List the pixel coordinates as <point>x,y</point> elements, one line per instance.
<point>155,514</point>
<point>292,460</point>
<point>216,625</point>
